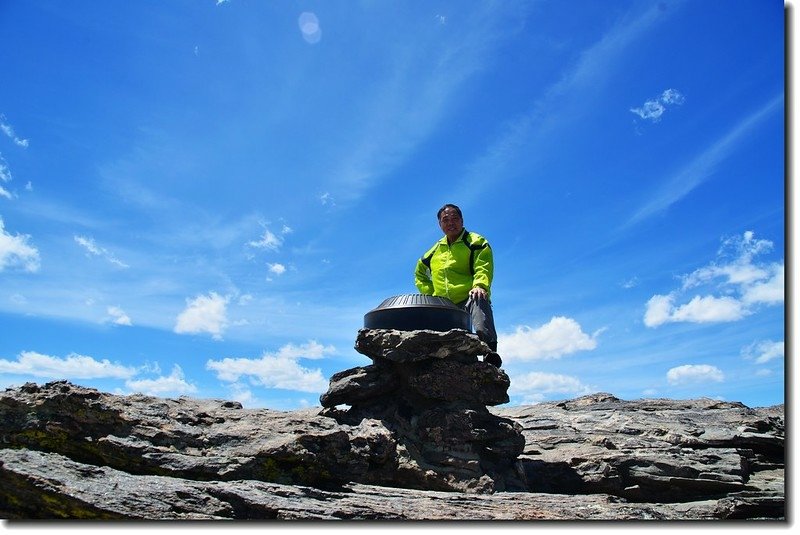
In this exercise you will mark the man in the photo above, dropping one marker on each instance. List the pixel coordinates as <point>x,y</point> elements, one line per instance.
<point>460,267</point>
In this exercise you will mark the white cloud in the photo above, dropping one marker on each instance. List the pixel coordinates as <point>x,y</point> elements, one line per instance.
<point>707,309</point>
<point>743,283</point>
<point>769,291</point>
<point>672,96</point>
<point>5,176</point>
<point>653,109</point>
<point>71,367</point>
<point>8,130</point>
<point>243,395</point>
<point>5,173</point>
<point>764,351</point>
<point>175,384</point>
<point>204,314</point>
<point>630,283</point>
<point>310,350</point>
<point>536,386</point>
<point>119,316</point>
<point>326,198</point>
<point>694,373</point>
<point>703,166</point>
<point>280,370</point>
<point>560,336</point>
<point>267,241</point>
<point>15,251</point>
<point>277,269</point>
<point>95,250</point>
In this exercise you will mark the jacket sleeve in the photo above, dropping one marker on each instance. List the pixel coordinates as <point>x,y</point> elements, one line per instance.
<point>422,278</point>
<point>484,268</point>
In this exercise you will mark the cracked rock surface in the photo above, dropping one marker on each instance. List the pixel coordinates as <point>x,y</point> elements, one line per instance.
<point>67,451</point>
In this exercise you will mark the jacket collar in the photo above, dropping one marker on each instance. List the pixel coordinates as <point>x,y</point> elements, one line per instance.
<point>443,241</point>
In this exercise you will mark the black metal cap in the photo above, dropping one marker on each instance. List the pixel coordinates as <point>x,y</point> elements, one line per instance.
<point>412,312</point>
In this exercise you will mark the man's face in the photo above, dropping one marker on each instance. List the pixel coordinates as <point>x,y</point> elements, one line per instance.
<point>450,223</point>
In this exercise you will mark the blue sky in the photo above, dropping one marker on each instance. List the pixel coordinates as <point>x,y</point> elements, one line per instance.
<point>204,198</point>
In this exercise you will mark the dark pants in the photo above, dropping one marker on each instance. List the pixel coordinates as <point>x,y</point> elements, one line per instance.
<point>480,310</point>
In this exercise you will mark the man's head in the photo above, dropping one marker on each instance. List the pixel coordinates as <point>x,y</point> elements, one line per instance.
<point>450,221</point>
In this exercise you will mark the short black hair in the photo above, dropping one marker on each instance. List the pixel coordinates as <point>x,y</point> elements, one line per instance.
<point>446,206</point>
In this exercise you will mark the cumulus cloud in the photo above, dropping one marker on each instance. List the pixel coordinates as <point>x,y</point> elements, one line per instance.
<point>653,109</point>
<point>279,370</point>
<point>118,316</point>
<point>560,336</point>
<point>536,386</point>
<point>93,249</point>
<point>707,309</point>
<point>312,350</point>
<point>743,283</point>
<point>764,351</point>
<point>175,384</point>
<point>204,314</point>
<point>8,130</point>
<point>694,373</point>
<point>277,269</point>
<point>15,252</point>
<point>73,366</point>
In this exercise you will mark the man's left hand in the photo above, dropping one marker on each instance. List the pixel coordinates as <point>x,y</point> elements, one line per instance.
<point>478,293</point>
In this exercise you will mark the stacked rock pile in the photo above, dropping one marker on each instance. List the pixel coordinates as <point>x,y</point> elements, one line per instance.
<point>432,391</point>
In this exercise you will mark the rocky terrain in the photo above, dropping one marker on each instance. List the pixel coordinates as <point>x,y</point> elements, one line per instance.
<point>416,435</point>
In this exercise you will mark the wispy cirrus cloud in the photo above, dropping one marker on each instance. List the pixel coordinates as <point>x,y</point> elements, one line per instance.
<point>569,95</point>
<point>95,250</point>
<point>702,168</point>
<point>764,351</point>
<point>5,176</point>
<point>744,285</point>
<point>653,109</point>
<point>16,252</point>
<point>8,130</point>
<point>270,240</point>
<point>421,81</point>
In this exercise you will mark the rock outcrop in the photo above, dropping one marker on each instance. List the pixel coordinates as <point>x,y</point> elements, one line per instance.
<point>431,391</point>
<point>68,451</point>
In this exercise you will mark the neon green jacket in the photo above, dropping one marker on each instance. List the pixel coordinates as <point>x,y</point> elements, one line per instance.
<point>451,271</point>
